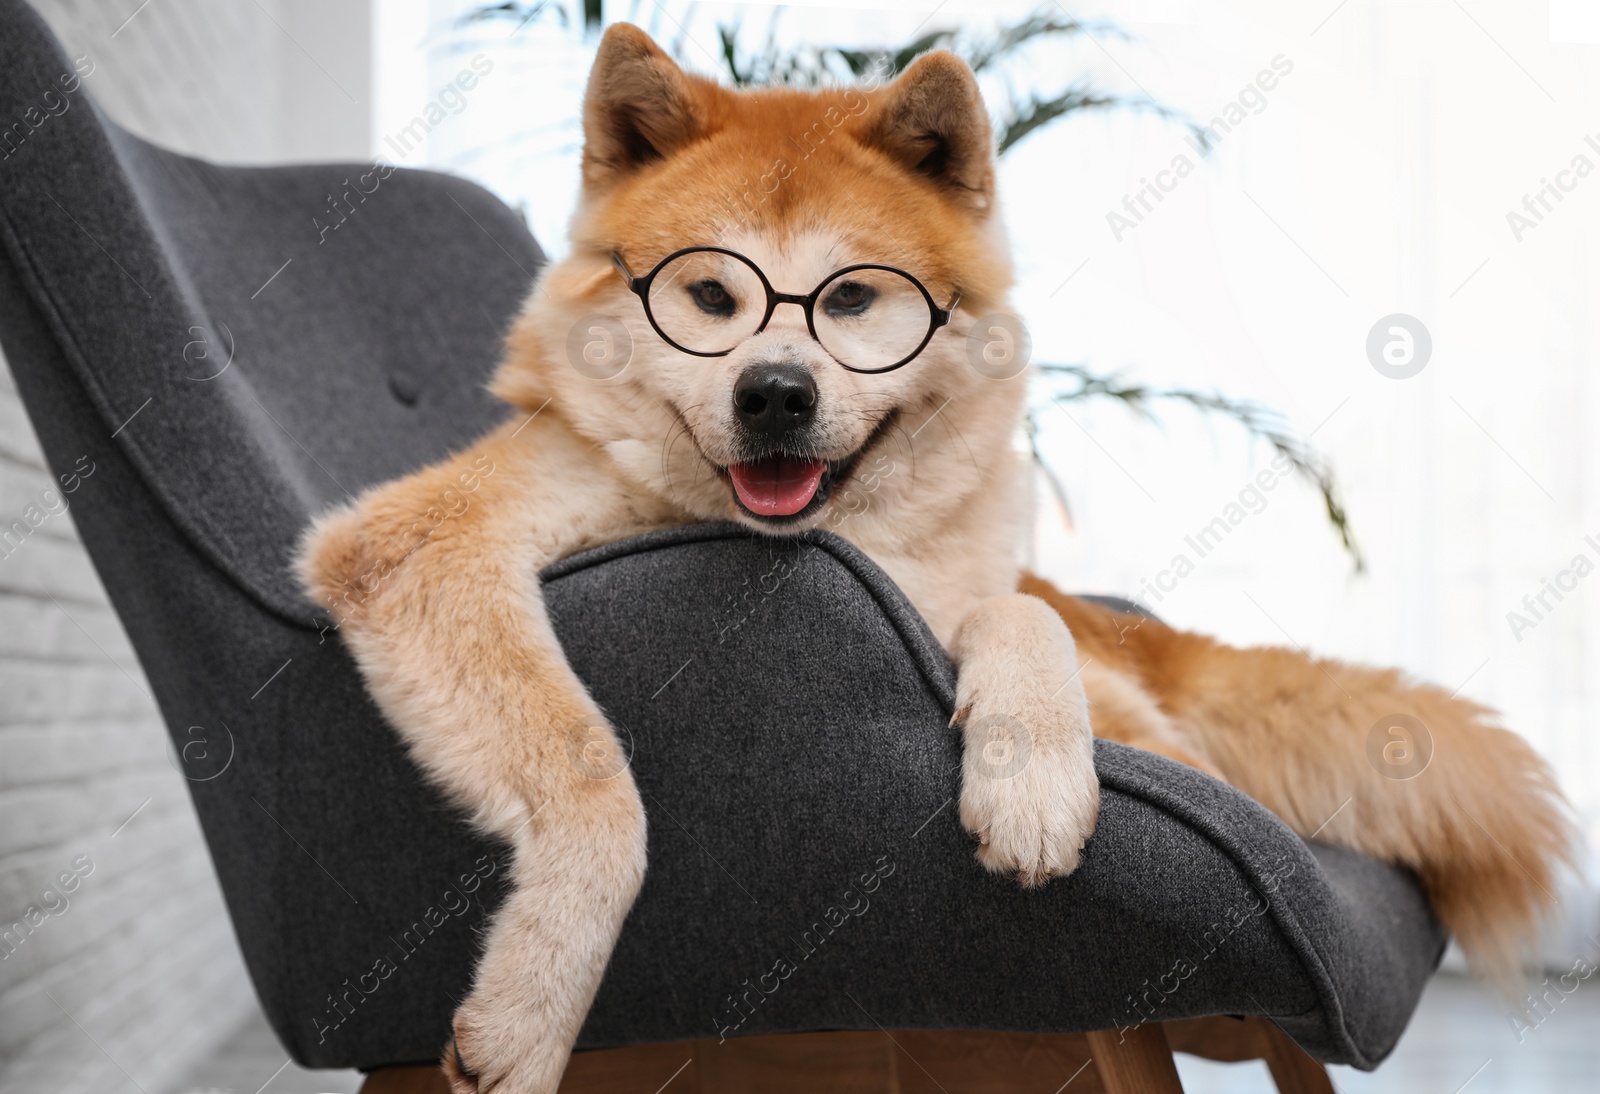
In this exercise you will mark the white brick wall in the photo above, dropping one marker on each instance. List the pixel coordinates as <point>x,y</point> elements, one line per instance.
<point>140,954</point>
<point>124,982</point>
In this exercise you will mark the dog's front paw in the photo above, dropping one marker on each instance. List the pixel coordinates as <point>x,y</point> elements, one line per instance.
<point>1028,790</point>
<point>491,1050</point>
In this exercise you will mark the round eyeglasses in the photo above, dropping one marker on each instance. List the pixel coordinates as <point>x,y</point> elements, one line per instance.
<point>706,300</point>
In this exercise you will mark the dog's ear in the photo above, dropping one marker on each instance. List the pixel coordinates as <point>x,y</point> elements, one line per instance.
<point>932,119</point>
<point>639,106</point>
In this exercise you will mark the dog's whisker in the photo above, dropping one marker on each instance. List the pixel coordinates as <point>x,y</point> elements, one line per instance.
<point>951,427</point>
<point>666,452</point>
<point>911,449</point>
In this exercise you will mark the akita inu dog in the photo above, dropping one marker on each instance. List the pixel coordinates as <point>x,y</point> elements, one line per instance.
<point>780,338</point>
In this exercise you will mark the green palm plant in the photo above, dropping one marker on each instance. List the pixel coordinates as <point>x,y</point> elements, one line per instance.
<point>1017,116</point>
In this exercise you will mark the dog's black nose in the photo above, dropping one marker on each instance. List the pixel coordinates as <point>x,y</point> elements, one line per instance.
<point>773,400</point>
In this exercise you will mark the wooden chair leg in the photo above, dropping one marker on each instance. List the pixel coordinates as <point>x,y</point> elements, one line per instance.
<point>1293,1071</point>
<point>1232,1040</point>
<point>405,1080</point>
<point>1137,1060</point>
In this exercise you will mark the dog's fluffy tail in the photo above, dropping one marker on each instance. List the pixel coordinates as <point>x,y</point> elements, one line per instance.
<point>1361,757</point>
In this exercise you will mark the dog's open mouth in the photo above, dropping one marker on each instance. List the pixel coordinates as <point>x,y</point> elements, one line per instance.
<point>779,486</point>
<point>783,487</point>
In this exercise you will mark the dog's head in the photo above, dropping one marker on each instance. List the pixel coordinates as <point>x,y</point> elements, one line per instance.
<point>794,364</point>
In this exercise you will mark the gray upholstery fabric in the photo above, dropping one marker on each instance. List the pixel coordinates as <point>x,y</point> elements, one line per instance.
<point>787,709</point>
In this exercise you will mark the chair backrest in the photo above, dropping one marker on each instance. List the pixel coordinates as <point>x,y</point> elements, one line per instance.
<point>263,342</point>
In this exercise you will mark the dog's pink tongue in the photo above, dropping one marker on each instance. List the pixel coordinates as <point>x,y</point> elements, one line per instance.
<point>776,487</point>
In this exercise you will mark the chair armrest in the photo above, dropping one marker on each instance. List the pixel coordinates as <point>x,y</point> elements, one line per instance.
<point>788,713</point>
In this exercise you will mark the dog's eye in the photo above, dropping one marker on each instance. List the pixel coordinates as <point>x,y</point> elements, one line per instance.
<point>712,298</point>
<point>849,298</point>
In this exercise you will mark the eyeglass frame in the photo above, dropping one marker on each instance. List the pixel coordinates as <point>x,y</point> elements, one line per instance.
<point>640,287</point>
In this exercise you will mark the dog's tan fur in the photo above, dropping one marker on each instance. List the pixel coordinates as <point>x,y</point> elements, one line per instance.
<point>444,615</point>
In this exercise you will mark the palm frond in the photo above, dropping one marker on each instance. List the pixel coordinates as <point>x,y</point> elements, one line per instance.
<point>983,53</point>
<point>1027,115</point>
<point>892,61</point>
<point>518,13</point>
<point>1257,421</point>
